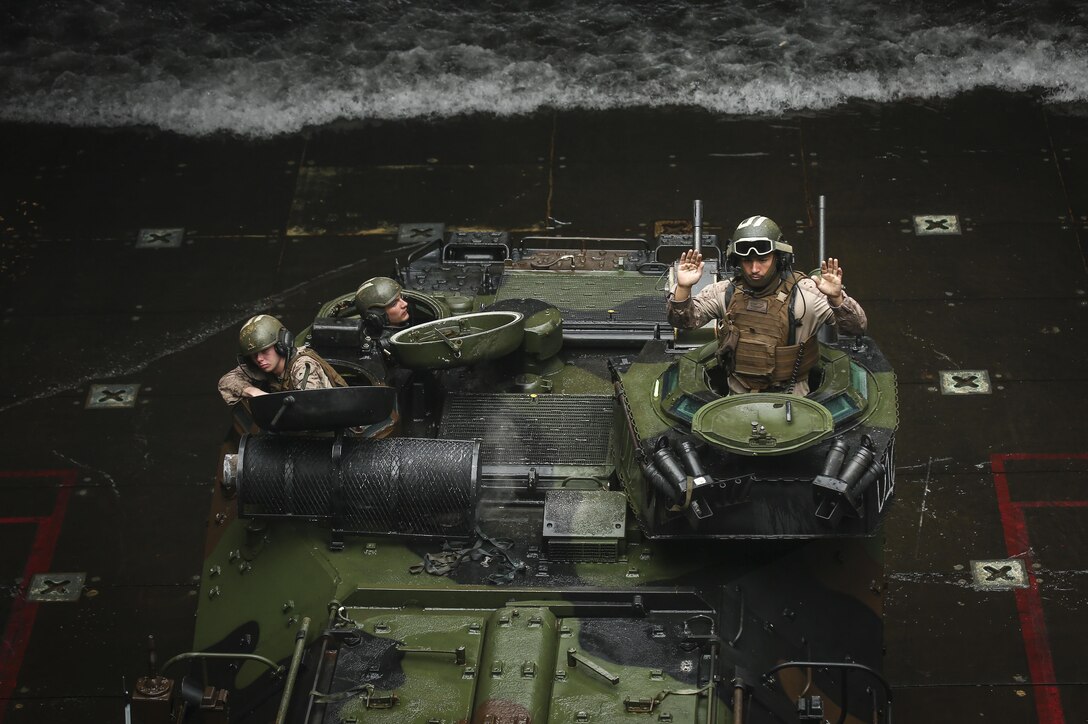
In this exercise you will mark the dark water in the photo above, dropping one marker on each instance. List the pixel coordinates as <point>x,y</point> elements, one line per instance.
<point>264,67</point>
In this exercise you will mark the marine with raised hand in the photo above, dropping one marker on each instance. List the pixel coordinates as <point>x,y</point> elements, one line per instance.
<point>766,332</point>
<point>269,362</point>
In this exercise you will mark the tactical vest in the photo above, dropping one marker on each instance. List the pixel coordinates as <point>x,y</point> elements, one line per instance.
<point>767,353</point>
<point>333,375</point>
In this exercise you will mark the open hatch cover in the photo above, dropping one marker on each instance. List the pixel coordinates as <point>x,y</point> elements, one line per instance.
<point>323,409</point>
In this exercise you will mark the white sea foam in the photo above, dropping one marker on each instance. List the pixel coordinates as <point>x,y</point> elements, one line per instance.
<point>263,70</point>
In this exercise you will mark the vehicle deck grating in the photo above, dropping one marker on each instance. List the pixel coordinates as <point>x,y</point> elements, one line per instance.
<point>523,430</point>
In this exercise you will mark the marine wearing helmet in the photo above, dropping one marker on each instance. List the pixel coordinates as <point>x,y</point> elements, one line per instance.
<point>381,298</point>
<point>759,236</point>
<point>260,333</point>
<point>767,314</point>
<point>269,362</point>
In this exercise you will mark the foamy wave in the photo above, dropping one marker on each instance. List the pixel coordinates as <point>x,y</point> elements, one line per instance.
<point>400,64</point>
<point>247,106</point>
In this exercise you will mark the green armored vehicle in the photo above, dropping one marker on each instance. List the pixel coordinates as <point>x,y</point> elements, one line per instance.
<point>535,504</point>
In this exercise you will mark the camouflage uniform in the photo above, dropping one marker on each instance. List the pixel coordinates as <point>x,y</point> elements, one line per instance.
<point>304,371</point>
<point>810,308</point>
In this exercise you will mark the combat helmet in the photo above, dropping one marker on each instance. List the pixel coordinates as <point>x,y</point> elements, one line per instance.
<point>260,333</point>
<point>759,235</point>
<point>375,294</point>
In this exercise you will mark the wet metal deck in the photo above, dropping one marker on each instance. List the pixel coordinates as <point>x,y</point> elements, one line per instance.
<point>129,259</point>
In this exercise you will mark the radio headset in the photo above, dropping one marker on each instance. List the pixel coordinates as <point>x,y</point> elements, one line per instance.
<point>374,323</point>
<point>285,343</point>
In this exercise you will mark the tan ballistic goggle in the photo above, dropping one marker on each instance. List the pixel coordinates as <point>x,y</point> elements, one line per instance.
<point>747,247</point>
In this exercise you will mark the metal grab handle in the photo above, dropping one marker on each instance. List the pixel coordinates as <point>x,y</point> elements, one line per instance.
<point>844,667</point>
<point>287,402</point>
<point>574,658</point>
<point>292,672</point>
<point>452,337</point>
<point>277,670</point>
<point>554,262</point>
<point>458,653</point>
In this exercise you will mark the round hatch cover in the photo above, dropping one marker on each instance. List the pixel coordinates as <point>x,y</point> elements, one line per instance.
<point>757,424</point>
<point>459,341</point>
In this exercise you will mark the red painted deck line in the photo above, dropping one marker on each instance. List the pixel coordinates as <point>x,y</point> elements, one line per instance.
<point>1029,604</point>
<point>21,619</point>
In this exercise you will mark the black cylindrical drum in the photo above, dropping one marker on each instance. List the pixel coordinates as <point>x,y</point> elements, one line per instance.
<point>833,462</point>
<point>670,467</point>
<point>690,455</point>
<point>420,486</point>
<point>857,465</point>
<point>855,493</point>
<point>657,480</point>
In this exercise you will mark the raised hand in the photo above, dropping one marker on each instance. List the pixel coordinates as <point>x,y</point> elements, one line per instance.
<point>690,269</point>
<point>830,281</point>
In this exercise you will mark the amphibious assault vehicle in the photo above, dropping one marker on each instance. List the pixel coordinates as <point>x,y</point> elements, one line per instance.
<point>535,505</point>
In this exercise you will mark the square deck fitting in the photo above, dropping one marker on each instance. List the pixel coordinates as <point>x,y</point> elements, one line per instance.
<point>965,382</point>
<point>936,224</point>
<point>585,514</point>
<point>421,233</point>
<point>160,238</point>
<point>999,575</point>
<point>56,587</point>
<point>110,396</point>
